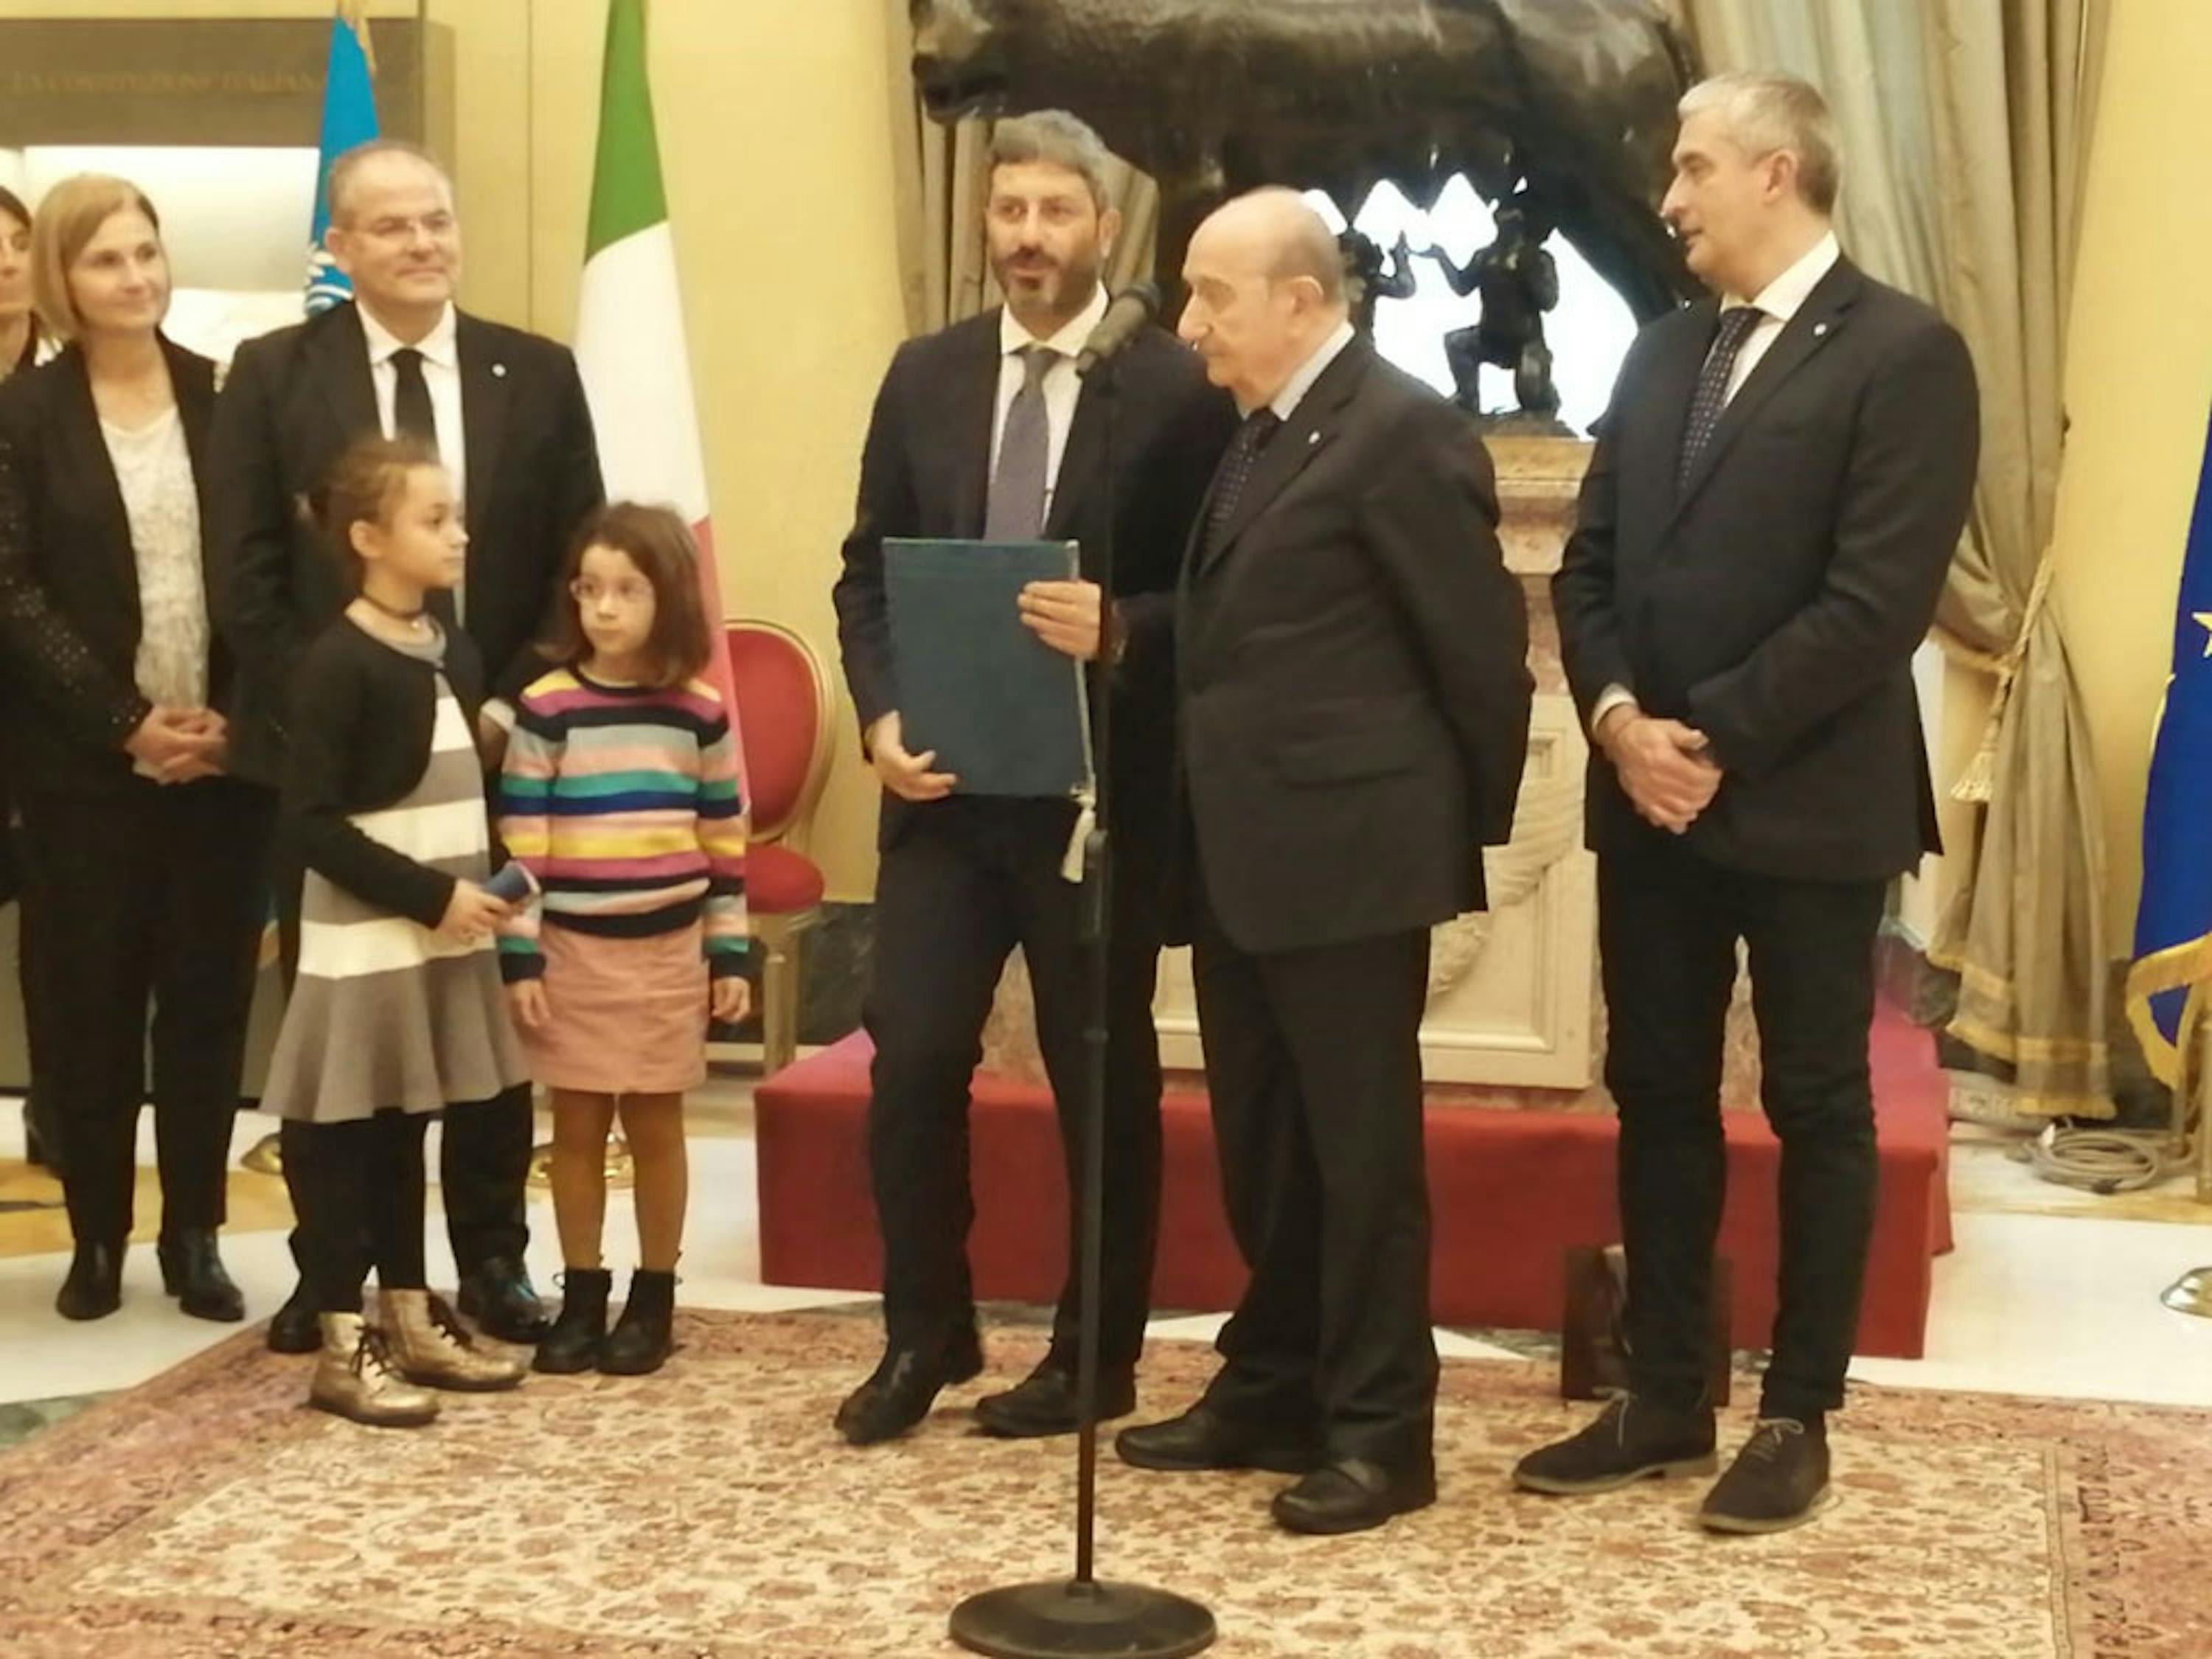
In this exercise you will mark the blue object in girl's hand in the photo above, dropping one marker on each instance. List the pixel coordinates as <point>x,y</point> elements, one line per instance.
<point>512,884</point>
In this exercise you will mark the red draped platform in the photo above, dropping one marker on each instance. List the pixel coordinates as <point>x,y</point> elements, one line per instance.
<point>1512,1189</point>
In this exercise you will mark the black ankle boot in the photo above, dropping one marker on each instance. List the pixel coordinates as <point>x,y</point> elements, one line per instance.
<point>574,1343</point>
<point>641,1340</point>
<point>93,1289</point>
<point>192,1271</point>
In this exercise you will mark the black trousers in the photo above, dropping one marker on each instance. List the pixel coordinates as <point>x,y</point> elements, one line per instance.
<point>156,893</point>
<point>40,1117</point>
<point>967,880</point>
<point>357,1189</point>
<point>1669,923</point>
<point>1313,1060</point>
<point>484,1156</point>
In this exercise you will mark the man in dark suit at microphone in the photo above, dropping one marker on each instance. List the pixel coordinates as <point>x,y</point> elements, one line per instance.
<point>1352,656</point>
<point>985,429</point>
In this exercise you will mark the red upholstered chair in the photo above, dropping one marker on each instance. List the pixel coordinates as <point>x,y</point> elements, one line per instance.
<point>785,706</point>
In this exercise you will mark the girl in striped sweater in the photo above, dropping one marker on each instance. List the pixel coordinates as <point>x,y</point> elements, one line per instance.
<point>620,797</point>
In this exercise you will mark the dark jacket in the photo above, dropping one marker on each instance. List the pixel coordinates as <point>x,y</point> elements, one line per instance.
<point>294,399</point>
<point>69,623</point>
<point>1776,601</point>
<point>1354,676</point>
<point>925,472</point>
<point>361,739</point>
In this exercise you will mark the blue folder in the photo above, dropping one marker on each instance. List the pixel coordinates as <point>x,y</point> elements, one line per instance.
<point>1005,712</point>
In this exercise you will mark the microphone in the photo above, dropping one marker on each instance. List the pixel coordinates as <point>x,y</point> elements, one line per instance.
<point>1125,320</point>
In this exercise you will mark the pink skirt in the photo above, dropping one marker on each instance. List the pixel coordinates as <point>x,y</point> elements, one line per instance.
<point>629,1015</point>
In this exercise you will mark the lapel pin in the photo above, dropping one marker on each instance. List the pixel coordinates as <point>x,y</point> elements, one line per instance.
<point>499,371</point>
<point>1819,328</point>
<point>1312,438</point>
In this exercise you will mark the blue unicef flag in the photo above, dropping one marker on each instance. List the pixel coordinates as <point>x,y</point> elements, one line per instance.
<point>2171,979</point>
<point>348,118</point>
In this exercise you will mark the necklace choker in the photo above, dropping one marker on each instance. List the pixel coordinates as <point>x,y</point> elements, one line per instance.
<point>393,612</point>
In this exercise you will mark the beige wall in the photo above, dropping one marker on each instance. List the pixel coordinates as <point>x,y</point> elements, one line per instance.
<point>2138,380</point>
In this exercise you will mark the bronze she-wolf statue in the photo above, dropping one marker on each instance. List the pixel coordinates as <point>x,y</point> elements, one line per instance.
<point>1567,104</point>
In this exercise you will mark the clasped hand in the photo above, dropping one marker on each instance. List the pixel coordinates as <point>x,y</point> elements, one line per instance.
<point>180,745</point>
<point>1666,768</point>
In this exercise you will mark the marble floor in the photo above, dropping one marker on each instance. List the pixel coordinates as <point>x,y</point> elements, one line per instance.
<point>2056,1303</point>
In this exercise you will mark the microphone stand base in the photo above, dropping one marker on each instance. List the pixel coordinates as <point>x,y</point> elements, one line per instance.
<point>1065,1618</point>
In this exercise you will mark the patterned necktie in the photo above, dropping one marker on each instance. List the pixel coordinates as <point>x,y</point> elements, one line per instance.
<point>1016,513</point>
<point>412,416</point>
<point>1711,398</point>
<point>1237,463</point>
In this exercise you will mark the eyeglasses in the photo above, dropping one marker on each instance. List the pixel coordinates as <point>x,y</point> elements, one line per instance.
<point>585,591</point>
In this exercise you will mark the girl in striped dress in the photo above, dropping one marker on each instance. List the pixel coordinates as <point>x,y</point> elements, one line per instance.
<point>621,798</point>
<point>396,1012</point>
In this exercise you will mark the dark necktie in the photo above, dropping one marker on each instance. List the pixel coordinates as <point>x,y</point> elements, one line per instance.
<point>412,416</point>
<point>1711,396</point>
<point>1016,513</point>
<point>1237,463</point>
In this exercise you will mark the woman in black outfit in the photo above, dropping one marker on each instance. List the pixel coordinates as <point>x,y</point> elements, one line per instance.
<point>21,344</point>
<point>143,860</point>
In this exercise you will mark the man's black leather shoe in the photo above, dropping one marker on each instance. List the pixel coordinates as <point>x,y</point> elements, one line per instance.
<point>898,1395</point>
<point>1351,1494</point>
<point>1044,1403</point>
<point>1202,1439</point>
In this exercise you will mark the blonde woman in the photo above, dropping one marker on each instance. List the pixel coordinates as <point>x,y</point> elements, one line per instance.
<point>144,859</point>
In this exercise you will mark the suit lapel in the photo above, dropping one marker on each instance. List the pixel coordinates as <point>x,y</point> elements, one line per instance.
<point>193,380</point>
<point>194,384</point>
<point>1079,464</point>
<point>973,400</point>
<point>340,353</point>
<point>78,432</point>
<point>1673,385</point>
<point>1818,321</point>
<point>484,403</point>
<point>1312,426</point>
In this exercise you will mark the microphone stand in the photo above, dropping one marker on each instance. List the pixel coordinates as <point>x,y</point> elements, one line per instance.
<point>1081,1618</point>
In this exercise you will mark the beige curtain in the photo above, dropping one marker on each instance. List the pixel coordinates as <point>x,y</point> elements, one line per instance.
<point>1963,127</point>
<point>943,178</point>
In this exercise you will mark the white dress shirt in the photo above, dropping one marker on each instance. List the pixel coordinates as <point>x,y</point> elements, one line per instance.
<point>1061,386</point>
<point>1781,300</point>
<point>1286,402</point>
<point>441,373</point>
<point>154,472</point>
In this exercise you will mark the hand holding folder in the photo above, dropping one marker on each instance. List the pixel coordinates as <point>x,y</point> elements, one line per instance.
<point>1005,713</point>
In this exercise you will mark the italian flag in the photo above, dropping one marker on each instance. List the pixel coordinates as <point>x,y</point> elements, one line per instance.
<point>629,322</point>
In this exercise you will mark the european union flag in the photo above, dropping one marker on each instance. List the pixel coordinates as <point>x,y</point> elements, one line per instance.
<point>348,118</point>
<point>2171,982</point>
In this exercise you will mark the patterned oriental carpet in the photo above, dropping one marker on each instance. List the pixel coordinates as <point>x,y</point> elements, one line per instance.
<point>710,1511</point>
